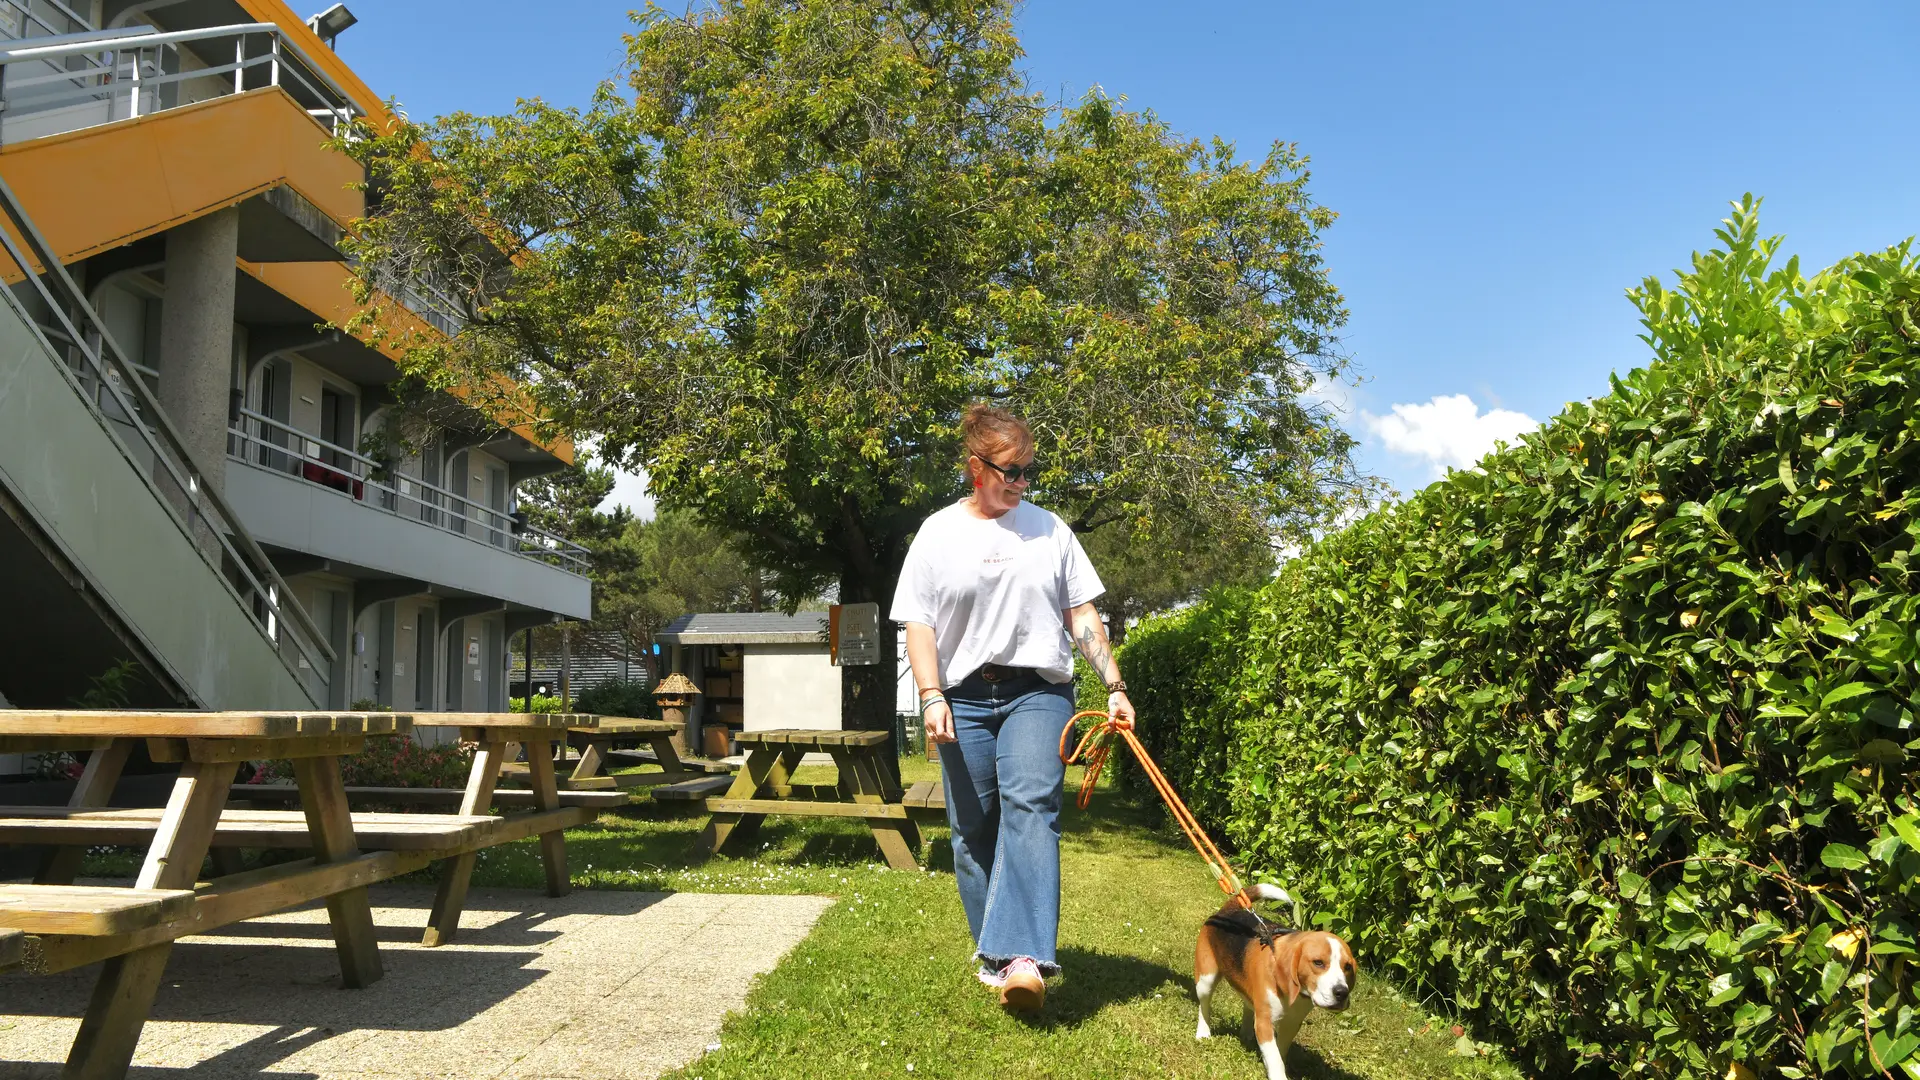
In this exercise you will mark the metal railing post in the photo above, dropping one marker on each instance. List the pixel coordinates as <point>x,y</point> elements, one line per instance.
<point>133,106</point>
<point>240,64</point>
<point>273,65</point>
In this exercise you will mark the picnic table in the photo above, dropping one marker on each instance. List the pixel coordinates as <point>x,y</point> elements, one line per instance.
<point>600,744</point>
<point>765,785</point>
<point>132,931</point>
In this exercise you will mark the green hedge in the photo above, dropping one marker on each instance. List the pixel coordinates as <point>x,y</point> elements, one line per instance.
<point>1610,741</point>
<point>631,699</point>
<point>542,703</point>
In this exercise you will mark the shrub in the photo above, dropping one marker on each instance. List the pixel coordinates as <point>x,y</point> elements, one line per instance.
<point>390,761</point>
<point>630,699</point>
<point>1611,738</point>
<point>542,703</point>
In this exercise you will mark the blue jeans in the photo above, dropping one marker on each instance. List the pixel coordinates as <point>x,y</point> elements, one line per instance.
<point>1004,785</point>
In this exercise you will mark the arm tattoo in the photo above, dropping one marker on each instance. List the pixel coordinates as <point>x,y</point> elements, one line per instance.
<point>1095,650</point>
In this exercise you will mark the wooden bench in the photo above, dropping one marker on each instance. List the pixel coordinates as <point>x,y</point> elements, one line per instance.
<point>67,826</point>
<point>90,910</point>
<point>692,790</point>
<point>927,801</point>
<point>864,790</point>
<point>403,796</point>
<point>13,948</point>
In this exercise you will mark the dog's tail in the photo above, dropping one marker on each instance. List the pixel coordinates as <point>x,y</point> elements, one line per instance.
<point>1254,893</point>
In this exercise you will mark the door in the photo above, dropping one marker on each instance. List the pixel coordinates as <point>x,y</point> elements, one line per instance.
<point>501,535</point>
<point>493,657</point>
<point>337,427</point>
<point>274,400</point>
<point>457,484</point>
<point>424,632</point>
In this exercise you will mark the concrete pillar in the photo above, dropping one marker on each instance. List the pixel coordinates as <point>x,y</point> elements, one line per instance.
<point>196,336</point>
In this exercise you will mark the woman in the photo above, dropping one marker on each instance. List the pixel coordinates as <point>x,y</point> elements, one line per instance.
<point>992,589</point>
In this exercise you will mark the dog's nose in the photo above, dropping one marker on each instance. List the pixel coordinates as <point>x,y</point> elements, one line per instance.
<point>1340,992</point>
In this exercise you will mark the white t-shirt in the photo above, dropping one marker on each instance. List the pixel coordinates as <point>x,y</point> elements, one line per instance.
<point>993,589</point>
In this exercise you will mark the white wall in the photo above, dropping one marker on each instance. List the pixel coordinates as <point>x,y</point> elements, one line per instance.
<point>790,686</point>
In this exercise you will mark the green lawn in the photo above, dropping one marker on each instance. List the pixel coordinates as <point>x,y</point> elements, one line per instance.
<point>884,987</point>
<point>884,982</point>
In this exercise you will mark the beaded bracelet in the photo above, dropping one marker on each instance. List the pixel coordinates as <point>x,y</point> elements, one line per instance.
<point>924,702</point>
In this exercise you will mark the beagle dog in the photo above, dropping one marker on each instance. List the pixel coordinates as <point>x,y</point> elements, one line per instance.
<point>1282,973</point>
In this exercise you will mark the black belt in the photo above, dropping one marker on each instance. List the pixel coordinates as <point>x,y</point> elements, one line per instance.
<point>999,673</point>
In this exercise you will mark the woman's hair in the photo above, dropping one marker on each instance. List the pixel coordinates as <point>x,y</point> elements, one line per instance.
<point>990,431</point>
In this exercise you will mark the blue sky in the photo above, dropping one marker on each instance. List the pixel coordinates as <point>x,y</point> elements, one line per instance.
<point>1502,171</point>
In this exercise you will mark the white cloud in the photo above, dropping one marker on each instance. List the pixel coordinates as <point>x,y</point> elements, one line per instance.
<point>630,491</point>
<point>1449,430</point>
<point>1336,393</point>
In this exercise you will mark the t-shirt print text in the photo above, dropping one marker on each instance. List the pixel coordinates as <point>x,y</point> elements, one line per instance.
<point>997,559</point>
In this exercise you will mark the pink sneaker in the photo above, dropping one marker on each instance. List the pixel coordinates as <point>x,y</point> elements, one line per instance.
<point>1022,989</point>
<point>990,977</point>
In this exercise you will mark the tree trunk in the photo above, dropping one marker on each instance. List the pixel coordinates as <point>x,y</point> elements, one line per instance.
<point>867,691</point>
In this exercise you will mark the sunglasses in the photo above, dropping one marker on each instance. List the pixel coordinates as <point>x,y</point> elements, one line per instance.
<point>1013,474</point>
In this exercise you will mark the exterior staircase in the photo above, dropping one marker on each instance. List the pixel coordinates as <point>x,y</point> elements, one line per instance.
<point>114,550</point>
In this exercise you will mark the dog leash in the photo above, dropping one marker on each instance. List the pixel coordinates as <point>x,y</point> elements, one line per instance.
<point>1092,751</point>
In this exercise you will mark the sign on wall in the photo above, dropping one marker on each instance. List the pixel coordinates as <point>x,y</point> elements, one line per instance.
<point>853,634</point>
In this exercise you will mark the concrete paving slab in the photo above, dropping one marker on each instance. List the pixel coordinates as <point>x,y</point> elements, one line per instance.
<point>597,985</point>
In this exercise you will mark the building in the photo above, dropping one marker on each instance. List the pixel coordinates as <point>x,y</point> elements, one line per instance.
<point>755,670</point>
<point>597,658</point>
<point>196,478</point>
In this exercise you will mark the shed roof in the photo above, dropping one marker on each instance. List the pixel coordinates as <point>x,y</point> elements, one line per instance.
<point>747,628</point>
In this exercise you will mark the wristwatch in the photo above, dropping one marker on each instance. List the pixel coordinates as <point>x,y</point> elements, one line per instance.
<point>1117,686</point>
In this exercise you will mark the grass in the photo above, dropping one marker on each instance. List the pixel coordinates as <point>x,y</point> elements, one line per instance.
<point>885,981</point>
<point>883,987</point>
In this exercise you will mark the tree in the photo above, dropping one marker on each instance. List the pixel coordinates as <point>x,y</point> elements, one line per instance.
<point>1149,573</point>
<point>777,273</point>
<point>567,504</point>
<point>674,566</point>
<point>645,573</point>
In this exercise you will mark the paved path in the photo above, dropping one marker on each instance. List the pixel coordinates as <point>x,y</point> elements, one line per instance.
<point>597,985</point>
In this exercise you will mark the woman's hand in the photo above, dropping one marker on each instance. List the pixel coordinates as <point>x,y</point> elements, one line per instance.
<point>939,722</point>
<point>1120,708</point>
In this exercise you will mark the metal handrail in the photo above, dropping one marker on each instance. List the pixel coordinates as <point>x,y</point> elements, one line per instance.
<point>203,503</point>
<point>517,537</point>
<point>109,66</point>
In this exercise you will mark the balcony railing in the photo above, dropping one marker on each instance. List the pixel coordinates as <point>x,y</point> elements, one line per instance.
<point>262,441</point>
<point>67,81</point>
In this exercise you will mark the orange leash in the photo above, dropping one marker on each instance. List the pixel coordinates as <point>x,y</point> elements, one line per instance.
<point>1094,747</point>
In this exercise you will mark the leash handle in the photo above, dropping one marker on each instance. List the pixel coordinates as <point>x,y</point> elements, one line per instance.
<point>1093,748</point>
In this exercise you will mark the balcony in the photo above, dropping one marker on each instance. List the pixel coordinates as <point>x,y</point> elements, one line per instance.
<point>265,443</point>
<point>59,79</point>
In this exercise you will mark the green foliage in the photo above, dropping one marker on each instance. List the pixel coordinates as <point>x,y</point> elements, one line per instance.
<point>390,761</point>
<point>112,688</point>
<point>1148,570</point>
<point>630,699</point>
<point>1611,739</point>
<point>670,565</point>
<point>542,703</point>
<point>775,270</point>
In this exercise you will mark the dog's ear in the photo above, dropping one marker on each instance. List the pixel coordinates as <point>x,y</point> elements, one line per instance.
<point>1286,967</point>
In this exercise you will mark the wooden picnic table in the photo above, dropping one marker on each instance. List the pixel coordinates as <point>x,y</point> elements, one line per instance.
<point>209,748</point>
<point>864,790</point>
<point>499,736</point>
<point>599,744</point>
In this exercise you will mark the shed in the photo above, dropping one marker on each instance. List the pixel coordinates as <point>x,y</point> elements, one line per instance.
<point>756,670</point>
